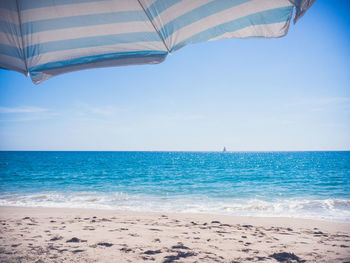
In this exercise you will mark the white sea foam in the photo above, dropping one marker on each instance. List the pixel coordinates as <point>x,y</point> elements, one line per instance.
<point>328,209</point>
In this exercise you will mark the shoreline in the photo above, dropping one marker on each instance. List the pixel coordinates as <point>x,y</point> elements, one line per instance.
<point>98,235</point>
<point>107,211</point>
<point>169,211</point>
<point>331,209</point>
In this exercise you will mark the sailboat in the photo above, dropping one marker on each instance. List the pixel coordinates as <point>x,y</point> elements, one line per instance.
<point>224,150</point>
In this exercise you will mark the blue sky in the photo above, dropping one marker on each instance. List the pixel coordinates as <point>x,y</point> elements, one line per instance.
<point>291,93</point>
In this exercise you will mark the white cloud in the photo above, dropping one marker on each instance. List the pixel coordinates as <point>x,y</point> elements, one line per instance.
<point>83,109</point>
<point>320,102</point>
<point>25,113</point>
<point>108,110</point>
<point>22,110</point>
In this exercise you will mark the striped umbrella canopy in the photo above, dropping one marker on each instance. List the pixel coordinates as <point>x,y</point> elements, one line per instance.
<point>44,38</point>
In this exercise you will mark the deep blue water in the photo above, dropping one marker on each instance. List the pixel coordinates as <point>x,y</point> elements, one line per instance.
<point>299,184</point>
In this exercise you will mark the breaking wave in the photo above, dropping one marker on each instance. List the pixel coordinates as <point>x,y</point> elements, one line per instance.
<point>327,209</point>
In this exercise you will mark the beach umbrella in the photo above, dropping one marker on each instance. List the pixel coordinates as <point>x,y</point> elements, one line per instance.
<point>44,38</point>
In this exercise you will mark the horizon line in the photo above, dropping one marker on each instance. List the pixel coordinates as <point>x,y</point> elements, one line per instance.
<point>217,151</point>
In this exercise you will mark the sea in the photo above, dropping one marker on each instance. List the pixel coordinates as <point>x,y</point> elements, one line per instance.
<point>274,184</point>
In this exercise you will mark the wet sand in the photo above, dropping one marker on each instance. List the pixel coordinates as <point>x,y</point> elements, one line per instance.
<point>85,235</point>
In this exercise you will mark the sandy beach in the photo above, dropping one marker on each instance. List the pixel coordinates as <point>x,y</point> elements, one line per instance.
<point>82,235</point>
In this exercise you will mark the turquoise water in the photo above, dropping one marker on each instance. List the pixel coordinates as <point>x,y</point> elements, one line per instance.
<point>295,184</point>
